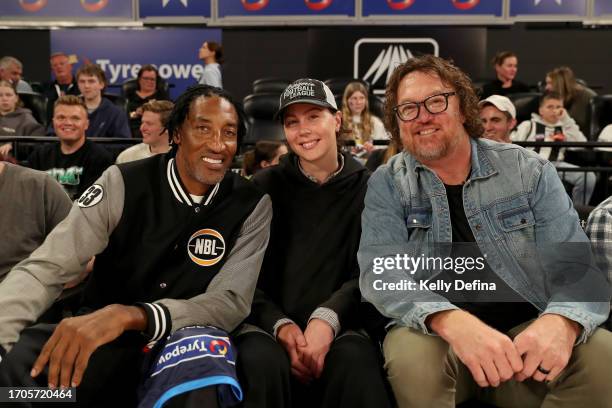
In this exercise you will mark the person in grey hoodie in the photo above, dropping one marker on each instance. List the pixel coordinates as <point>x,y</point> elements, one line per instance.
<point>553,124</point>
<point>15,120</point>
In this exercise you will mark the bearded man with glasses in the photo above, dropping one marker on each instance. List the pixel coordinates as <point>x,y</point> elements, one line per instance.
<point>475,252</point>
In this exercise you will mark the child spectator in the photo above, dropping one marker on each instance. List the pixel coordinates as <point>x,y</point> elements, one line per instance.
<point>576,97</point>
<point>359,123</point>
<point>14,119</point>
<point>265,154</point>
<point>553,123</point>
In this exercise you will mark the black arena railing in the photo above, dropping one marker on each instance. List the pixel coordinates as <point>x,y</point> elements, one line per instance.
<point>590,155</point>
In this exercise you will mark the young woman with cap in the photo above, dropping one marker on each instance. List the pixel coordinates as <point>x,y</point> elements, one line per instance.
<point>311,347</point>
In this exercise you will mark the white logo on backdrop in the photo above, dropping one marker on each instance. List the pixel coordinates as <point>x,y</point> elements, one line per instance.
<point>393,51</point>
<point>537,2</point>
<point>183,2</point>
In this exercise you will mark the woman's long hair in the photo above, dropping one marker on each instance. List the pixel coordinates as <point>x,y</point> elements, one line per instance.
<point>564,83</point>
<point>365,127</point>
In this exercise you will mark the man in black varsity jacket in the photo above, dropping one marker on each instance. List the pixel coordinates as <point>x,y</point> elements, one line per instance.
<point>178,242</point>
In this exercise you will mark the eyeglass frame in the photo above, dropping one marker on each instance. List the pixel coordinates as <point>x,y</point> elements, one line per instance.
<point>423,102</point>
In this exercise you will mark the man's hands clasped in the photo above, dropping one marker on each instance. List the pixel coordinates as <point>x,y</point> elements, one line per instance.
<point>306,350</point>
<point>541,351</point>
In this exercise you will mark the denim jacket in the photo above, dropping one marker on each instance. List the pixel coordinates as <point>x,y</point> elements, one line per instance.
<point>513,201</point>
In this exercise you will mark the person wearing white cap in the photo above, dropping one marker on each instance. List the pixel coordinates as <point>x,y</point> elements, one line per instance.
<point>605,136</point>
<point>498,116</point>
<point>310,347</point>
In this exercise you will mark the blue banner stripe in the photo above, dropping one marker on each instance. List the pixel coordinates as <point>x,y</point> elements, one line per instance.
<point>252,8</point>
<point>428,7</point>
<point>197,384</point>
<point>66,9</point>
<point>174,8</point>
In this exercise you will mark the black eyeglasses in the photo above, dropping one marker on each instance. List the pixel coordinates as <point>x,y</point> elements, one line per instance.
<point>434,104</point>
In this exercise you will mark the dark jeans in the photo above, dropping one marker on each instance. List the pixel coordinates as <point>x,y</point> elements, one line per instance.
<point>353,375</point>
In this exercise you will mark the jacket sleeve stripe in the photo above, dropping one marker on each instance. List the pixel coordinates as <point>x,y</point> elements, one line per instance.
<point>158,317</point>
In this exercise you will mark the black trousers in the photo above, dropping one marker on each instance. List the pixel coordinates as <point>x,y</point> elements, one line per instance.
<point>352,377</point>
<point>111,378</point>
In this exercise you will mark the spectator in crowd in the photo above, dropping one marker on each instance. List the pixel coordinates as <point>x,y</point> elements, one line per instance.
<point>11,69</point>
<point>506,66</point>
<point>155,115</point>
<point>149,87</point>
<point>450,186</point>
<point>498,116</point>
<point>64,83</point>
<point>145,293</point>
<point>14,119</point>
<point>31,205</point>
<point>307,301</point>
<point>576,97</point>
<point>105,118</point>
<point>212,54</point>
<point>74,161</point>
<point>359,123</point>
<point>599,230</point>
<point>606,136</point>
<point>553,123</point>
<point>265,154</point>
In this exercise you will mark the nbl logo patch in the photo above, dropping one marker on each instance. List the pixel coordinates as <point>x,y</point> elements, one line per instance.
<point>206,247</point>
<point>92,196</point>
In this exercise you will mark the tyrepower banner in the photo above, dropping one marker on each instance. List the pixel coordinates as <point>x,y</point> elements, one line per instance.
<point>121,53</point>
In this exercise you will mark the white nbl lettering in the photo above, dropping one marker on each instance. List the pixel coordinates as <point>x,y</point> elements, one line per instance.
<point>205,247</point>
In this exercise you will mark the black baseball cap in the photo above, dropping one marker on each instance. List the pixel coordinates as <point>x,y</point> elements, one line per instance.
<point>306,90</point>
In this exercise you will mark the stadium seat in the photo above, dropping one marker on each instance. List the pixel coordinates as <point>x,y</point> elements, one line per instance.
<point>377,106</point>
<point>478,84</point>
<point>37,87</point>
<point>118,100</point>
<point>37,103</point>
<point>526,103</point>
<point>270,85</point>
<point>131,85</point>
<point>260,109</point>
<point>601,114</point>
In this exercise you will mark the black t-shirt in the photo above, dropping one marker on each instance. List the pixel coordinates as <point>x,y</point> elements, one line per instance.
<point>500,315</point>
<point>76,171</point>
<point>495,88</point>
